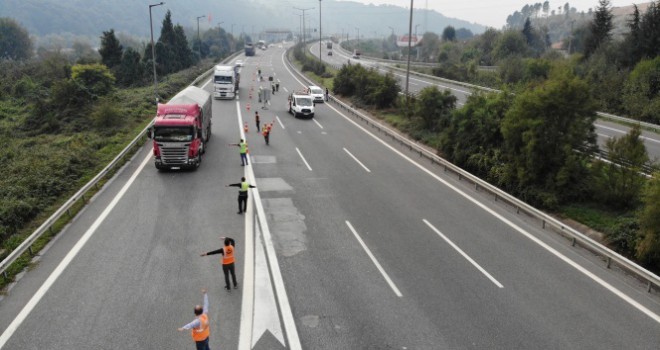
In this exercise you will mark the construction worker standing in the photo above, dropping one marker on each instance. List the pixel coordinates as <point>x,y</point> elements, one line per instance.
<point>242,194</point>
<point>199,327</point>
<point>266,132</point>
<point>256,119</point>
<point>228,260</point>
<point>243,149</point>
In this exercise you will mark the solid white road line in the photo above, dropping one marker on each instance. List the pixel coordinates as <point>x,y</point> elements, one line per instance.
<point>279,121</point>
<point>373,259</point>
<point>317,123</point>
<point>207,83</point>
<point>460,251</point>
<point>285,89</point>
<point>69,257</point>
<point>247,316</point>
<point>357,160</point>
<point>508,222</point>
<point>625,132</point>
<point>303,158</point>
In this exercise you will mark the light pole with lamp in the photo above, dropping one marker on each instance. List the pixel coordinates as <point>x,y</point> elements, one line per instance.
<point>358,40</point>
<point>320,56</point>
<point>408,65</point>
<point>303,19</point>
<point>233,40</point>
<point>199,39</point>
<point>153,50</point>
<point>416,42</point>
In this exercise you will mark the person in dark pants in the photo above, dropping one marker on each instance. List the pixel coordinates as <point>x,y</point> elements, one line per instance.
<point>228,261</point>
<point>256,119</point>
<point>266,132</point>
<point>326,94</point>
<point>242,194</point>
<point>199,327</point>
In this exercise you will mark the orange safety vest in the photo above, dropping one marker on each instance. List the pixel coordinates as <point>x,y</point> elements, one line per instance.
<point>228,257</point>
<point>203,332</point>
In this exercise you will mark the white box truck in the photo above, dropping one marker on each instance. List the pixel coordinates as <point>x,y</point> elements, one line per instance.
<point>225,81</point>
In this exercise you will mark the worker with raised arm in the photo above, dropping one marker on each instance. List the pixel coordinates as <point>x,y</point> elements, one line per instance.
<point>228,260</point>
<point>243,187</point>
<point>199,327</point>
<point>243,150</point>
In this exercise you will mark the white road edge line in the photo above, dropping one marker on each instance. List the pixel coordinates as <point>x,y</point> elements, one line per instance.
<point>317,123</point>
<point>247,305</point>
<point>279,121</point>
<point>27,309</point>
<point>373,258</point>
<point>570,262</point>
<point>245,338</point>
<point>460,251</point>
<point>303,158</point>
<point>624,132</point>
<point>357,160</point>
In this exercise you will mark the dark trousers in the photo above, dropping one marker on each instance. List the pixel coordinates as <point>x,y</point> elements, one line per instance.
<point>229,268</point>
<point>242,203</point>
<point>244,159</point>
<point>202,345</point>
<point>267,137</point>
<point>258,126</point>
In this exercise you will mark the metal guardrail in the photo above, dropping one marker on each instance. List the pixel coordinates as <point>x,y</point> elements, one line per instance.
<point>610,256</point>
<point>47,225</point>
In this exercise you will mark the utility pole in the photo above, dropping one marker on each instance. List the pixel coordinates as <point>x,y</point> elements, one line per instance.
<point>408,67</point>
<point>153,50</point>
<point>320,56</point>
<point>303,19</point>
<point>199,39</point>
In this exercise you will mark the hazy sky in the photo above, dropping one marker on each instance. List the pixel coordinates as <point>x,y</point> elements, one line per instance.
<point>489,12</point>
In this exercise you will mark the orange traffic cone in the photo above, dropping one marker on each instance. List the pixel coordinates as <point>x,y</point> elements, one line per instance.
<point>245,127</point>
<point>247,106</point>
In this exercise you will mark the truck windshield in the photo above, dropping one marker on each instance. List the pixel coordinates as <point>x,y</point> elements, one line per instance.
<point>317,91</point>
<point>173,133</point>
<point>222,79</point>
<point>305,102</point>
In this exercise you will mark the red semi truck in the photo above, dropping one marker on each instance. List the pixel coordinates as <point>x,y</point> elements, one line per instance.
<point>181,129</point>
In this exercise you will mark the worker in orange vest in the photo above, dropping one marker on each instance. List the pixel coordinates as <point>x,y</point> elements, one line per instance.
<point>228,261</point>
<point>199,327</point>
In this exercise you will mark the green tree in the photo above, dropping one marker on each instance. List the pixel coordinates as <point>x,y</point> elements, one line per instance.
<point>15,43</point>
<point>433,108</point>
<point>449,34</point>
<point>641,93</point>
<point>600,27</point>
<point>648,248</point>
<point>619,183</point>
<point>130,71</point>
<point>111,50</point>
<point>511,43</point>
<point>528,32</point>
<point>542,132</point>
<point>473,138</point>
<point>96,79</point>
<point>650,31</point>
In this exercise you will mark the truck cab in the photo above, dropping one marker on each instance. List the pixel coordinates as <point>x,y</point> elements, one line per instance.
<point>225,81</point>
<point>301,104</point>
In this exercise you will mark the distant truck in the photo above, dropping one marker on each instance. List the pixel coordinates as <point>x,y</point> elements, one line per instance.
<point>249,49</point>
<point>226,80</point>
<point>301,104</point>
<point>328,45</point>
<point>181,129</point>
<point>262,44</point>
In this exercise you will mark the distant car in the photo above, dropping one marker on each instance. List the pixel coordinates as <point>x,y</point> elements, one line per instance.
<point>239,63</point>
<point>316,93</point>
<point>329,53</point>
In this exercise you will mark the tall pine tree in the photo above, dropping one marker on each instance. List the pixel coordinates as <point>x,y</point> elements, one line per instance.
<point>111,50</point>
<point>600,27</point>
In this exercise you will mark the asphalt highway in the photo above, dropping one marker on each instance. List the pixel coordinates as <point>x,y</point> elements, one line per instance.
<point>349,242</point>
<point>604,129</point>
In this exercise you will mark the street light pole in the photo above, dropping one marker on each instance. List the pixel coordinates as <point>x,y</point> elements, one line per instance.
<point>416,42</point>
<point>358,39</point>
<point>320,56</point>
<point>199,39</point>
<point>233,40</point>
<point>153,50</point>
<point>303,20</point>
<point>408,66</point>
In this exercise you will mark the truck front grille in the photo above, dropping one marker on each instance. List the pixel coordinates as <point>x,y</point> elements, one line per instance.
<point>174,154</point>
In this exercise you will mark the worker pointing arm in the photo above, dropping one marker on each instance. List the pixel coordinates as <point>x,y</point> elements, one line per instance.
<point>228,260</point>
<point>199,327</point>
